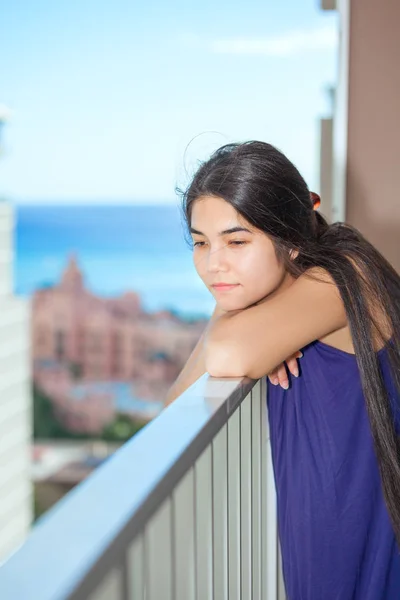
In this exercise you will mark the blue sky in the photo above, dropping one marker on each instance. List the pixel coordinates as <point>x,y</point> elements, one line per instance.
<point>106,96</point>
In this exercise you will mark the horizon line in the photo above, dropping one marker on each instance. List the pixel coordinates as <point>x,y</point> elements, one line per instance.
<point>91,202</point>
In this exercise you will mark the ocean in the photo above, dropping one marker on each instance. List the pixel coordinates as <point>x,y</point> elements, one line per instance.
<point>119,248</point>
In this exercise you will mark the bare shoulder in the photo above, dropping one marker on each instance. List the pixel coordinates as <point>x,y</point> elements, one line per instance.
<point>341,337</point>
<point>318,275</point>
<point>317,284</point>
<point>381,328</point>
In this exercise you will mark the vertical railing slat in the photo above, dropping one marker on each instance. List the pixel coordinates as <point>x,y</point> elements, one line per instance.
<point>234,506</point>
<point>183,538</point>
<point>280,584</point>
<point>245,496</point>
<point>272,581</point>
<point>110,587</point>
<point>159,554</point>
<point>136,569</point>
<point>256,490</point>
<point>272,532</point>
<point>220,520</point>
<point>265,587</point>
<point>203,525</point>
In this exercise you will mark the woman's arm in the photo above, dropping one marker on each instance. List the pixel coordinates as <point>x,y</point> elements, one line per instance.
<point>195,366</point>
<point>254,341</point>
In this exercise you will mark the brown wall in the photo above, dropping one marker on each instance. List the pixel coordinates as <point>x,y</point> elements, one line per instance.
<point>373,167</point>
<point>326,163</point>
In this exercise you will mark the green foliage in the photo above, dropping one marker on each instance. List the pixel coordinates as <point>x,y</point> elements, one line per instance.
<point>38,510</point>
<point>121,429</point>
<point>45,423</point>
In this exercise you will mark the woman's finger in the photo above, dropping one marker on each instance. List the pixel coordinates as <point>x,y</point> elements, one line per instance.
<point>282,376</point>
<point>293,366</point>
<point>279,374</point>
<point>273,377</point>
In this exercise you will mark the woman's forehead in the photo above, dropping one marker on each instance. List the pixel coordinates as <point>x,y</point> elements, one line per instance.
<point>214,213</point>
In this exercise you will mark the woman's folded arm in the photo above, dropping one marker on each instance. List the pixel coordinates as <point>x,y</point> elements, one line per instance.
<point>254,341</point>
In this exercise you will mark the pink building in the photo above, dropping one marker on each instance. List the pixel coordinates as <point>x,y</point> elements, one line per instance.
<point>94,357</point>
<point>105,339</point>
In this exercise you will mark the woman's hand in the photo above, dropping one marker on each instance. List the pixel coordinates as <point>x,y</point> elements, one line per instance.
<point>279,375</point>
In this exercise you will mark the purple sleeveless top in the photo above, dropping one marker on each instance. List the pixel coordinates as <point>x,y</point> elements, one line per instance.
<point>336,538</point>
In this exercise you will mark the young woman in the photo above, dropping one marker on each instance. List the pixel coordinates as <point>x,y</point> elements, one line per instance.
<point>284,280</point>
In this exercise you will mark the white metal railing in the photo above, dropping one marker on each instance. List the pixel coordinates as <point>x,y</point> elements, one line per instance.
<point>185,510</point>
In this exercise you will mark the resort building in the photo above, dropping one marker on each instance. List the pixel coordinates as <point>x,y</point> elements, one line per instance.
<point>95,357</point>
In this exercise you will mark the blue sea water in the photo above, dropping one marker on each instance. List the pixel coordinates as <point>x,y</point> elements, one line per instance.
<point>119,248</point>
<point>124,398</point>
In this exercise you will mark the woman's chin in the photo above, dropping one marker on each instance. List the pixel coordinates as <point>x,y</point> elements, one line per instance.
<point>232,306</point>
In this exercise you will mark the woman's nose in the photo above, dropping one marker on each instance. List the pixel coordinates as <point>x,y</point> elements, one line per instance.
<point>217,261</point>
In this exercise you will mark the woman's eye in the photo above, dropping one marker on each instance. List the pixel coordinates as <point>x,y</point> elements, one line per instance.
<point>237,242</point>
<point>231,243</point>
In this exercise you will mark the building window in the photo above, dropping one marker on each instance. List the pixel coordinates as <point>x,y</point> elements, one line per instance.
<point>95,343</point>
<point>60,344</point>
<point>41,339</point>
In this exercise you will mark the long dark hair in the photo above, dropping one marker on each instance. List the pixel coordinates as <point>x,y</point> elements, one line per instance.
<point>269,192</point>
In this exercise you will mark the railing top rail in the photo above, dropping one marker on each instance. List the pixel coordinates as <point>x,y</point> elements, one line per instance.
<point>90,529</point>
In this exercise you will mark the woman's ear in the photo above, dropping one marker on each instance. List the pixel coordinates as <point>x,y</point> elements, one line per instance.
<point>293,254</point>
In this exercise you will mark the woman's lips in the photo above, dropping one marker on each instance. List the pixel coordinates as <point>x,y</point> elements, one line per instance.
<point>224,287</point>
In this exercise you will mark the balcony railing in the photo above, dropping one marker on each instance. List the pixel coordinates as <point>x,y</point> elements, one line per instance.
<point>184,511</point>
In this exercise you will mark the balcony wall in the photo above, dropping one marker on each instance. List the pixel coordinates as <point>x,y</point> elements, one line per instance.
<point>15,401</point>
<point>366,133</point>
<point>6,248</point>
<point>185,510</point>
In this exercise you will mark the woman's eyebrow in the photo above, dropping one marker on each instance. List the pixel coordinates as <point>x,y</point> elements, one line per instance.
<point>225,232</point>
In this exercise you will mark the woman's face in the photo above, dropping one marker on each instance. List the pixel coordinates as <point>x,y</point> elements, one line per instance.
<point>228,250</point>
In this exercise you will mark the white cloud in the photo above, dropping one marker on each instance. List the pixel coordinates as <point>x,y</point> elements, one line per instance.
<point>5,113</point>
<point>287,44</point>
